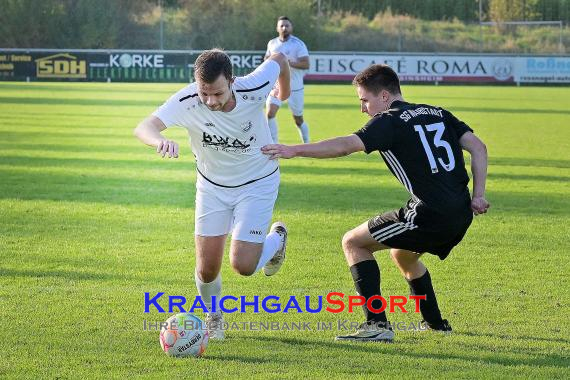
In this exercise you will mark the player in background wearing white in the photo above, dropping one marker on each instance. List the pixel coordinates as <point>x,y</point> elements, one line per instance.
<point>296,52</point>
<point>236,184</point>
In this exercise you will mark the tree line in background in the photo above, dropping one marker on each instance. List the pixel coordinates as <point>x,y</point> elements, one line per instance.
<point>463,10</point>
<point>365,25</point>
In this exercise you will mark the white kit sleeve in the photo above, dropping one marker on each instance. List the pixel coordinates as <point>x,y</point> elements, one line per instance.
<point>175,110</point>
<point>260,81</point>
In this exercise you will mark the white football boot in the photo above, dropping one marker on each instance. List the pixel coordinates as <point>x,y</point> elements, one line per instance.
<point>276,261</point>
<point>369,332</point>
<point>215,325</point>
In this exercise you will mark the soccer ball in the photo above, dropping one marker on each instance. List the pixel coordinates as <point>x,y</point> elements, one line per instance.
<point>184,335</point>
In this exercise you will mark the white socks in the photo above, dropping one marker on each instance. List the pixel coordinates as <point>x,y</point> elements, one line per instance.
<point>304,132</point>
<point>270,247</point>
<point>209,289</point>
<point>273,129</point>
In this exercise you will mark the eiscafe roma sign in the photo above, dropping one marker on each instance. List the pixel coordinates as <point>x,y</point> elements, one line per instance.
<point>416,68</point>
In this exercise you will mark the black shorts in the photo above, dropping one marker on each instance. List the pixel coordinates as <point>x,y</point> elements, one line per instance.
<point>419,229</point>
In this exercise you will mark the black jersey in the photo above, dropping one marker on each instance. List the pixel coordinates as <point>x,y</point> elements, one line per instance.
<point>420,145</point>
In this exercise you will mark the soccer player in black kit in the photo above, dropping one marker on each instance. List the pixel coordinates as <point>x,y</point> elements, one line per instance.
<point>422,146</point>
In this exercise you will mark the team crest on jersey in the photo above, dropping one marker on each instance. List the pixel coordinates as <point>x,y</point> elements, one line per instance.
<point>246,126</point>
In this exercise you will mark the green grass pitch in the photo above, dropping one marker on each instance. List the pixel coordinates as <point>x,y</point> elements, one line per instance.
<point>90,219</point>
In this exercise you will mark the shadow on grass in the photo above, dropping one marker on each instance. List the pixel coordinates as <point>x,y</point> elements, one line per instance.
<point>65,132</point>
<point>243,359</point>
<point>176,193</point>
<point>81,102</point>
<point>68,275</point>
<point>81,115</point>
<point>550,360</point>
<point>530,162</point>
<point>517,111</point>
<point>324,196</point>
<point>489,100</point>
<point>528,177</point>
<point>509,337</point>
<point>81,146</point>
<point>375,170</point>
<point>376,167</point>
<point>155,162</point>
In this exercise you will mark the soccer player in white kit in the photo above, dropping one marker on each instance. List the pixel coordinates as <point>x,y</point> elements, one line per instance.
<point>236,185</point>
<point>296,52</point>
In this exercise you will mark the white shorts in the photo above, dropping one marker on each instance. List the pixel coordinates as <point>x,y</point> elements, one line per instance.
<point>244,211</point>
<point>296,102</point>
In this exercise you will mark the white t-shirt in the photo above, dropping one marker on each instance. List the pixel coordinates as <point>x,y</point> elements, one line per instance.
<point>227,145</point>
<point>293,48</point>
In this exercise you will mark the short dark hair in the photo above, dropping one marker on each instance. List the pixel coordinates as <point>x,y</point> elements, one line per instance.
<point>284,18</point>
<point>378,77</point>
<point>210,64</point>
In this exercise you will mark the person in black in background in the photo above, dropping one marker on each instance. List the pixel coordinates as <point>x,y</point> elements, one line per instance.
<point>422,146</point>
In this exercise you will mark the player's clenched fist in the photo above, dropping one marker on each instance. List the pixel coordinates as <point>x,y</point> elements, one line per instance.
<point>167,147</point>
<point>479,205</point>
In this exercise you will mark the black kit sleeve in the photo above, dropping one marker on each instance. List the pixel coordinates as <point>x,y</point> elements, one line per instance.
<point>457,125</point>
<point>377,134</point>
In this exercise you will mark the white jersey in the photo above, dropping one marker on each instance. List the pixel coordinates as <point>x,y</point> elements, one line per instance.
<point>293,48</point>
<point>227,145</point>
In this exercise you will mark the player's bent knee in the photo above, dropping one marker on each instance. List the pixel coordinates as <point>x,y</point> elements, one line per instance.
<point>241,264</point>
<point>207,275</point>
<point>348,241</point>
<point>345,241</point>
<point>243,269</point>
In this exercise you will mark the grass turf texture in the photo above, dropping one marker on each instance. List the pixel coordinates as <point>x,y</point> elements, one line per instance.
<point>90,219</point>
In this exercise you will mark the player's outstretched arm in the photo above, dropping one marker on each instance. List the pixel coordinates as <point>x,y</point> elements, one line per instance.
<point>284,79</point>
<point>478,152</point>
<point>336,147</point>
<point>148,131</point>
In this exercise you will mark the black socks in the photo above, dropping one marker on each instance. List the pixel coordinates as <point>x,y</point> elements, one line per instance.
<point>366,276</point>
<point>429,308</point>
